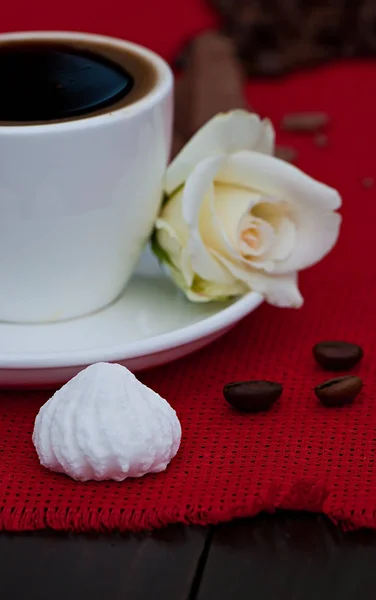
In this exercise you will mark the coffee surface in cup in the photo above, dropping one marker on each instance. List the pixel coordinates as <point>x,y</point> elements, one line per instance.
<point>45,81</point>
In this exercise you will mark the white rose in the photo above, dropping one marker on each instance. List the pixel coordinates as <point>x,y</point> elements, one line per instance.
<point>235,218</point>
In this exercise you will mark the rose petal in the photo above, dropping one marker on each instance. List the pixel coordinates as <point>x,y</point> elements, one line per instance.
<point>207,290</point>
<point>266,235</point>
<point>266,142</point>
<point>172,213</point>
<point>193,297</point>
<point>220,219</point>
<point>274,177</point>
<point>281,290</point>
<point>230,205</point>
<point>284,242</point>
<point>196,188</point>
<point>274,212</point>
<point>168,240</point>
<point>316,233</point>
<point>220,215</point>
<point>224,134</point>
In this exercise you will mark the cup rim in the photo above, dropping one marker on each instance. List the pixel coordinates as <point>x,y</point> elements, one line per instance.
<point>163,85</point>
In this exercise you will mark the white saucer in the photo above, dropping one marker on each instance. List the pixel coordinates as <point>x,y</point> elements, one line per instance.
<point>151,324</point>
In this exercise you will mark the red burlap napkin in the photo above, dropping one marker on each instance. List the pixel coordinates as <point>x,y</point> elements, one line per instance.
<point>300,455</point>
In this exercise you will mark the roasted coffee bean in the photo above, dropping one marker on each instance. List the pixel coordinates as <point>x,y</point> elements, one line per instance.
<point>305,122</point>
<point>321,140</point>
<point>368,182</point>
<point>339,391</point>
<point>287,153</point>
<point>252,396</point>
<point>337,356</point>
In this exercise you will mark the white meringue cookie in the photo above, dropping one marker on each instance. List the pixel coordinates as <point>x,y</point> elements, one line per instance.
<point>105,424</point>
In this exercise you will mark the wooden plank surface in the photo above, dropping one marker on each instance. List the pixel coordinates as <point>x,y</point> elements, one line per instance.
<point>49,566</point>
<point>282,557</point>
<point>289,557</point>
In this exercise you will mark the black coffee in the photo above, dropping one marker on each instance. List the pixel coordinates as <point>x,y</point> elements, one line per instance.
<point>44,81</point>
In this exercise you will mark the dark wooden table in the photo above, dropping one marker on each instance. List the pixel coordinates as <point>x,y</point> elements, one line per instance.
<point>277,557</point>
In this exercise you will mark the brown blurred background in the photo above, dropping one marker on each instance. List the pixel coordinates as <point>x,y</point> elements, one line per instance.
<point>275,36</point>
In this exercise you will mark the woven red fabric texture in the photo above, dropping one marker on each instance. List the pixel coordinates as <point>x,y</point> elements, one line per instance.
<point>299,455</point>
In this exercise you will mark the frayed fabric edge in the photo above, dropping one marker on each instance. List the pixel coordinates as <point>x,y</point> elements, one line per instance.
<point>109,520</point>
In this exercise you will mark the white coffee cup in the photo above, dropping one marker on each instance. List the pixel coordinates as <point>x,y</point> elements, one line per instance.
<point>78,199</point>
